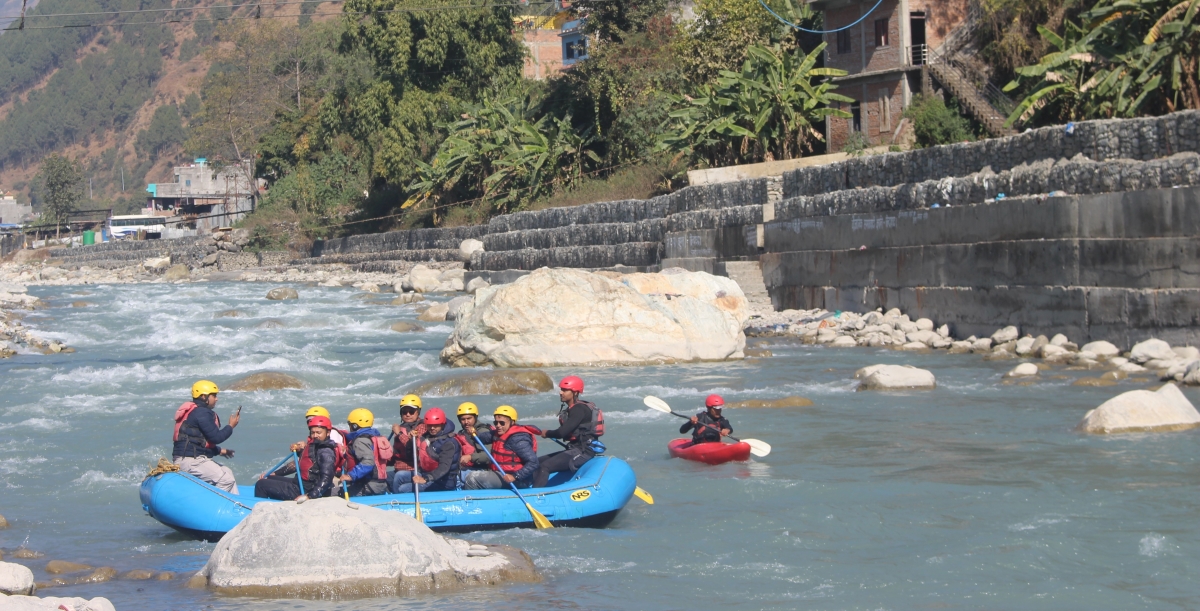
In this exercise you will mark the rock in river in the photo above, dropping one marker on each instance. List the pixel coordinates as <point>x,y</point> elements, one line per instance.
<point>58,567</point>
<point>265,380</point>
<point>15,579</point>
<point>1165,409</point>
<point>894,377</point>
<point>771,403</point>
<point>1023,370</point>
<point>1151,349</point>
<point>282,293</point>
<point>506,382</point>
<point>1101,349</point>
<point>3,523</point>
<point>574,317</point>
<point>289,550</point>
<point>406,327</point>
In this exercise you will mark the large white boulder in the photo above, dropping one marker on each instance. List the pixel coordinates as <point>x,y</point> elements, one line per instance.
<point>54,603</point>
<point>15,579</point>
<point>1151,349</point>
<point>467,247</point>
<point>1101,349</point>
<point>325,548</point>
<point>156,264</point>
<point>1165,409</point>
<point>1023,370</point>
<point>894,377</point>
<point>1007,334</point>
<point>573,317</point>
<point>423,280</point>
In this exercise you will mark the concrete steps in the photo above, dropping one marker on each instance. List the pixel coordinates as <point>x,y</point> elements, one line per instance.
<point>748,276</point>
<point>972,99</point>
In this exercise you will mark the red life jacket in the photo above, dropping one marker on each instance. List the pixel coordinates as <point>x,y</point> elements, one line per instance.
<point>507,459</point>
<point>427,462</point>
<point>468,444</point>
<point>382,450</point>
<point>593,428</point>
<point>307,464</point>
<point>181,416</point>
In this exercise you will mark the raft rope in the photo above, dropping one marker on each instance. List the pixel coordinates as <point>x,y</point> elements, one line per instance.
<point>164,466</point>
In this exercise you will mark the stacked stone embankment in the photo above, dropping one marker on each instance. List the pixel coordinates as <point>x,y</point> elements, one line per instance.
<point>1089,246</point>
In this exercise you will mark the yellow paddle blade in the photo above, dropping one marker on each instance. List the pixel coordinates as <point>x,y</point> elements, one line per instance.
<point>539,520</point>
<point>642,494</point>
<point>419,515</point>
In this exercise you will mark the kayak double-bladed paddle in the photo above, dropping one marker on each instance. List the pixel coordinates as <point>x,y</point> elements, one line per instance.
<point>539,520</point>
<point>757,447</point>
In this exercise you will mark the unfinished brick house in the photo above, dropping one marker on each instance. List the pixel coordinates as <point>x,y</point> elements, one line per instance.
<point>900,48</point>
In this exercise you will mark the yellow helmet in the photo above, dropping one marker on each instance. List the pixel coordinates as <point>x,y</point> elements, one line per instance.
<point>506,410</point>
<point>411,401</point>
<point>362,417</point>
<point>468,408</point>
<point>316,410</point>
<point>204,387</point>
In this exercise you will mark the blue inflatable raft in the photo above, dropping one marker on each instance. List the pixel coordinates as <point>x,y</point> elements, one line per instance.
<point>590,497</point>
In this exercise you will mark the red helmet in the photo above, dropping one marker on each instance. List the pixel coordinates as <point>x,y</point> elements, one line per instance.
<point>714,401</point>
<point>572,383</point>
<point>320,421</point>
<point>435,416</point>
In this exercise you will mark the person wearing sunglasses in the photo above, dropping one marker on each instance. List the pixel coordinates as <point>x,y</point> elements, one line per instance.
<point>514,446</point>
<point>709,425</point>
<point>402,433</point>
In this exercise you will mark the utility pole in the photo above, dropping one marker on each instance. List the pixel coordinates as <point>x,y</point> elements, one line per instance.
<point>90,187</point>
<point>122,178</point>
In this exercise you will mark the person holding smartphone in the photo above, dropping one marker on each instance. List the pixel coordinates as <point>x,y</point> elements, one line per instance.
<point>198,430</point>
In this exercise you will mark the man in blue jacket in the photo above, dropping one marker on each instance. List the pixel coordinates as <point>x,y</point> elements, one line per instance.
<point>366,466</point>
<point>198,430</point>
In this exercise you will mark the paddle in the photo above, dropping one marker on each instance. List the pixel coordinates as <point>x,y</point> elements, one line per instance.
<point>757,448</point>
<point>299,480</point>
<point>637,490</point>
<point>272,469</point>
<point>539,520</point>
<point>416,486</point>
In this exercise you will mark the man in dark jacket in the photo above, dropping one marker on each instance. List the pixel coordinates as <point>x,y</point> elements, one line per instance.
<point>442,447</point>
<point>577,426</point>
<point>513,447</point>
<point>709,425</point>
<point>198,430</point>
<point>319,465</point>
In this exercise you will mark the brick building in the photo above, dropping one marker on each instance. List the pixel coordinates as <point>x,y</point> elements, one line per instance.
<point>884,55</point>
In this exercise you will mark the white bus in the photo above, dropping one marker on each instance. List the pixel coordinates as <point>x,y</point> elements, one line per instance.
<point>127,225</point>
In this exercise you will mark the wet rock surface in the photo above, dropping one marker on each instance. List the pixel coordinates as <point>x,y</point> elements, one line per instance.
<point>504,382</point>
<point>285,550</point>
<point>895,377</point>
<point>15,579</point>
<point>52,603</point>
<point>265,380</point>
<point>281,294</point>
<point>1143,411</point>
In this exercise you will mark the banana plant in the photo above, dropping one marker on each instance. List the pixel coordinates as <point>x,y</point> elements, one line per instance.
<point>767,111</point>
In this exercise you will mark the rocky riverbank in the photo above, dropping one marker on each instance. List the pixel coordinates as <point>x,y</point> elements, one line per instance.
<point>15,338</point>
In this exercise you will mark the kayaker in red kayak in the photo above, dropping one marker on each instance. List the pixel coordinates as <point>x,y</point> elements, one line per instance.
<point>709,425</point>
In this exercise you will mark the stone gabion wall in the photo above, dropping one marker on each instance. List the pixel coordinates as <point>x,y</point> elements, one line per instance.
<point>9,243</point>
<point>128,246</point>
<point>112,255</point>
<point>1136,139</point>
<point>411,239</point>
<point>713,219</point>
<point>635,254</point>
<point>1079,176</point>
<point>624,211</point>
<point>602,234</point>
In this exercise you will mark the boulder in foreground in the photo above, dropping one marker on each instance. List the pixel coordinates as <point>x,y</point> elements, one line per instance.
<point>895,377</point>
<point>15,579</point>
<point>573,317</point>
<point>505,382</point>
<point>285,550</point>
<point>1140,411</point>
<point>266,380</point>
<point>54,603</point>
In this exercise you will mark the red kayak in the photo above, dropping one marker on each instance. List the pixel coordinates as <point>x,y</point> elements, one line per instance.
<point>711,453</point>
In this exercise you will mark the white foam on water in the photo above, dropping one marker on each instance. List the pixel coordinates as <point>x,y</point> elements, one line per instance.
<point>19,466</point>
<point>1036,524</point>
<point>1153,545</point>
<point>577,564</point>
<point>93,477</point>
<point>42,424</point>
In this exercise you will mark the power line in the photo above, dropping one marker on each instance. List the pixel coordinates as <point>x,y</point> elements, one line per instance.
<point>786,22</point>
<point>238,6</point>
<point>251,17</point>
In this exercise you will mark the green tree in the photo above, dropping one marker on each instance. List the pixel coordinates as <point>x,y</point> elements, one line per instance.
<point>935,123</point>
<point>60,182</point>
<point>165,132</point>
<point>763,113</point>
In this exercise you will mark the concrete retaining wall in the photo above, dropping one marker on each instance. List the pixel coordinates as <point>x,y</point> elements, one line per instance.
<point>1120,266</point>
<point>1137,139</point>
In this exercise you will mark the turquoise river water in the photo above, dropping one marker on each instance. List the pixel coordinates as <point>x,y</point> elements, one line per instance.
<point>978,495</point>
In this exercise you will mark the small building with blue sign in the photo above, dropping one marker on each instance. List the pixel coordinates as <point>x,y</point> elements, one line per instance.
<point>574,42</point>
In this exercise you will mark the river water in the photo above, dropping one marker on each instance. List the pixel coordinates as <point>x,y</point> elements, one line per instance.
<point>978,495</point>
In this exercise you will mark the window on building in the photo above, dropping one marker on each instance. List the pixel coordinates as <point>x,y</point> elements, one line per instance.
<point>843,41</point>
<point>885,111</point>
<point>856,117</point>
<point>881,33</point>
<point>569,50</point>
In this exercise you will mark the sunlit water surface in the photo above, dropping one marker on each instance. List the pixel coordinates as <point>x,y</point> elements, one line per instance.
<point>978,495</point>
